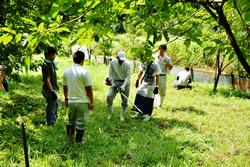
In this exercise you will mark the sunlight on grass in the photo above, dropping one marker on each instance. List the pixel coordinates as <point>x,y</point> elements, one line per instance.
<point>192,128</point>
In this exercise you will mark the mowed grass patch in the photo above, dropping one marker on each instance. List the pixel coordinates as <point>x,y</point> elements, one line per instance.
<point>193,128</point>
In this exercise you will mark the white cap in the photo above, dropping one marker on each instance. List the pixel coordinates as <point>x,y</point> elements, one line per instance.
<point>121,56</point>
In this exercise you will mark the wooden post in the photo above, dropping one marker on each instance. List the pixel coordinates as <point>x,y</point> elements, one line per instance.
<point>25,148</point>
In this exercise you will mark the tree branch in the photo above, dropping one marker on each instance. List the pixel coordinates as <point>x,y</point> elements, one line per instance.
<point>243,22</point>
<point>181,35</point>
<point>228,65</point>
<point>205,5</point>
<point>77,18</point>
<point>184,21</point>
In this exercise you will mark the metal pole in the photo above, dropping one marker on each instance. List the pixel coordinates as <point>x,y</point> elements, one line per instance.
<point>131,102</point>
<point>25,148</point>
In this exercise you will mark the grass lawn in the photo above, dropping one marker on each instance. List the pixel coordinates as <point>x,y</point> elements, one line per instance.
<point>193,128</point>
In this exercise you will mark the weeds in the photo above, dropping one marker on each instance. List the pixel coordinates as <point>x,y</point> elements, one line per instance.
<point>193,128</point>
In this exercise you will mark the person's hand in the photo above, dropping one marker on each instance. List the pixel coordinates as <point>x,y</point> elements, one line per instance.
<point>108,81</point>
<point>113,86</point>
<point>155,91</point>
<point>91,106</point>
<point>53,95</point>
<point>122,88</point>
<point>137,84</point>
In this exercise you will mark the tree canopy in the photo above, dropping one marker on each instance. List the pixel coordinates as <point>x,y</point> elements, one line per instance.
<point>67,22</point>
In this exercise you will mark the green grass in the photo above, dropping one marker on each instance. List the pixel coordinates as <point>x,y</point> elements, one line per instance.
<point>193,128</point>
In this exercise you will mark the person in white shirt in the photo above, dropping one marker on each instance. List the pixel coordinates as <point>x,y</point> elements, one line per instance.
<point>149,72</point>
<point>78,93</point>
<point>183,79</point>
<point>119,78</point>
<point>165,65</point>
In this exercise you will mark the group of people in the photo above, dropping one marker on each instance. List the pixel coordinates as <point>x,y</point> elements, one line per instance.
<point>78,93</point>
<point>77,89</point>
<point>151,80</point>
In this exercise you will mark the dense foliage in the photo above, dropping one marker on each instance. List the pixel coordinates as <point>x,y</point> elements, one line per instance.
<point>63,23</point>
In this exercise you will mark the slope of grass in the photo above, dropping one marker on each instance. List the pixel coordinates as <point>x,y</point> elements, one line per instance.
<point>193,128</point>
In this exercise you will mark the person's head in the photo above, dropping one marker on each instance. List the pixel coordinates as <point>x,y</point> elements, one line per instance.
<point>78,57</point>
<point>50,53</point>
<point>162,49</point>
<point>187,68</point>
<point>121,57</point>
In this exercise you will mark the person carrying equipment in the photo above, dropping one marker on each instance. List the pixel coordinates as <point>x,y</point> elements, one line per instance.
<point>119,79</point>
<point>146,91</point>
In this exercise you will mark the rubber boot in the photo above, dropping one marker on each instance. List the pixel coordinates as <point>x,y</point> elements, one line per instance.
<point>79,136</point>
<point>109,112</point>
<point>70,132</point>
<point>122,115</point>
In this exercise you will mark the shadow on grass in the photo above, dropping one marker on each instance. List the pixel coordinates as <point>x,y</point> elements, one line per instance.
<point>108,143</point>
<point>173,123</point>
<point>21,104</point>
<point>188,109</point>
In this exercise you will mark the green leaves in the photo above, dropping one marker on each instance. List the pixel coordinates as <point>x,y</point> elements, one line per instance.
<point>54,10</point>
<point>7,35</point>
<point>28,21</point>
<point>27,63</point>
<point>7,29</point>
<point>187,42</point>
<point>6,38</point>
<point>210,50</point>
<point>40,27</point>
<point>63,2</point>
<point>244,5</point>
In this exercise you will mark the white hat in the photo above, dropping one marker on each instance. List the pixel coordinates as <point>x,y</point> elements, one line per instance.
<point>121,56</point>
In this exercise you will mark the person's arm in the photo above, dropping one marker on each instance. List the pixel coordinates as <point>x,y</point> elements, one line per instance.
<point>157,80</point>
<point>46,75</point>
<point>65,92</point>
<point>111,73</point>
<point>189,78</point>
<point>139,75</point>
<point>168,64</point>
<point>48,84</point>
<point>127,79</point>
<point>89,92</point>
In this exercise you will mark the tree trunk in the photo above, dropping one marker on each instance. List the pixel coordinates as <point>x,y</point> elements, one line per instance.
<point>105,60</point>
<point>233,41</point>
<point>218,70</point>
<point>89,52</point>
<point>222,20</point>
<point>216,81</point>
<point>232,80</point>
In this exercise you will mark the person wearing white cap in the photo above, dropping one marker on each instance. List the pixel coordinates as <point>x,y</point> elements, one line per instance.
<point>119,78</point>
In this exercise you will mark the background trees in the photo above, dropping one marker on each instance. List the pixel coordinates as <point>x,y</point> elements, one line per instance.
<point>67,22</point>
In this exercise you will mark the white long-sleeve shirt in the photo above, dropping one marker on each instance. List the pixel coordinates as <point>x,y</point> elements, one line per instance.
<point>162,61</point>
<point>120,72</point>
<point>184,77</point>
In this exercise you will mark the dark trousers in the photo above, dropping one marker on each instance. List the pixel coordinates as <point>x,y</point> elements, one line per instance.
<point>5,85</point>
<point>145,104</point>
<point>51,109</point>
